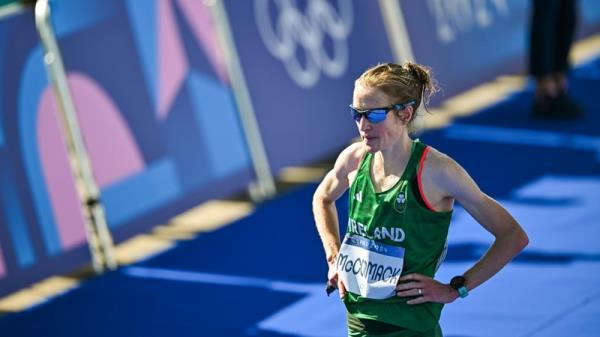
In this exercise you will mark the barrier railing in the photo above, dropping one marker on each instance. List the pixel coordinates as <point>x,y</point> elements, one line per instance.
<point>98,235</point>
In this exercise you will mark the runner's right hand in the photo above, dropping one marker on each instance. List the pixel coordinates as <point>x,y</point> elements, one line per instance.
<point>333,279</point>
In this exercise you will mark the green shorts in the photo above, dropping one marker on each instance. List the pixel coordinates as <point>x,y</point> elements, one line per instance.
<point>358,327</point>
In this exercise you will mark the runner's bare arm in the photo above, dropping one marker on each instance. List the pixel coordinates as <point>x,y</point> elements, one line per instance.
<point>510,238</point>
<point>444,181</point>
<point>334,184</point>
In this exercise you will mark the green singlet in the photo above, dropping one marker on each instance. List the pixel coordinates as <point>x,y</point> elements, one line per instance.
<point>398,217</point>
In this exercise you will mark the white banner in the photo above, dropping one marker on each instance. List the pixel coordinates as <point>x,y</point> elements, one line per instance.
<point>369,268</point>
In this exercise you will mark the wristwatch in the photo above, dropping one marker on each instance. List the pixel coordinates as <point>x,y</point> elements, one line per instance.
<point>458,283</point>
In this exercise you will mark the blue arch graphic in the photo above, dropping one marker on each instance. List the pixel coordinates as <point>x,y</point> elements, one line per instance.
<point>32,84</point>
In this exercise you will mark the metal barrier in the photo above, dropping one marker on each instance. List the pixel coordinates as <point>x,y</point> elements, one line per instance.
<point>98,235</point>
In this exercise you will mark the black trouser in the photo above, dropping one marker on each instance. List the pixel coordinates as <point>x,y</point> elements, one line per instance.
<point>552,28</point>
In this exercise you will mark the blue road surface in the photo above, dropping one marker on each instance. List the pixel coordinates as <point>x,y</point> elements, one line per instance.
<point>264,274</point>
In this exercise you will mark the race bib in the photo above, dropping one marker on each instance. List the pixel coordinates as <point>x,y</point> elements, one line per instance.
<point>369,268</point>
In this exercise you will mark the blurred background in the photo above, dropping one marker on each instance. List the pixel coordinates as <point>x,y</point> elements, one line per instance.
<point>158,159</point>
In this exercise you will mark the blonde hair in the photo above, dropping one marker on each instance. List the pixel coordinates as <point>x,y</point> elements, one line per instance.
<point>406,82</point>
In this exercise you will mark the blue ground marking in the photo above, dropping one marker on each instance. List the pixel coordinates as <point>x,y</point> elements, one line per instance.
<point>472,252</point>
<point>524,137</point>
<point>221,279</point>
<point>278,241</point>
<point>118,305</point>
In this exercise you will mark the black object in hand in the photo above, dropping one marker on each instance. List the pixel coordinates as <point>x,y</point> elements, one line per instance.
<point>329,289</point>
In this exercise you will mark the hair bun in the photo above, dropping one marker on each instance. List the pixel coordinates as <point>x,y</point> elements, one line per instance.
<point>422,76</point>
<point>419,72</point>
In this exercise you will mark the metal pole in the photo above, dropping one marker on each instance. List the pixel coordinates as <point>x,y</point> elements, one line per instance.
<point>98,235</point>
<point>265,184</point>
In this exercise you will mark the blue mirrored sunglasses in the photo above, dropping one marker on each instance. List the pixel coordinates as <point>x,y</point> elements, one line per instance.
<point>377,115</point>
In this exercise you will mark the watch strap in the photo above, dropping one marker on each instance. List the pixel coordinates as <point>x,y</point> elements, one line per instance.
<point>458,283</point>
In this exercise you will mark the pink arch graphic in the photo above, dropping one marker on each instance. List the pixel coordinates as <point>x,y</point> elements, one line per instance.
<point>111,148</point>
<point>172,62</point>
<point>2,266</point>
<point>203,26</point>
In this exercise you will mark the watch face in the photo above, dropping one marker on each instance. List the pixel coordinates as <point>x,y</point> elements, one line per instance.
<point>457,282</point>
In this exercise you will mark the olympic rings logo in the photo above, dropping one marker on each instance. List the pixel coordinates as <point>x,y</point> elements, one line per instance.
<point>291,30</point>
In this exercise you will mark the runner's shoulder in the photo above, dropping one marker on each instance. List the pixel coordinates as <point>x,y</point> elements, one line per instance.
<point>349,159</point>
<point>437,158</point>
<point>440,166</point>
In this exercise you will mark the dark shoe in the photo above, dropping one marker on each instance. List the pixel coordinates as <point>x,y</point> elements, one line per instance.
<point>559,107</point>
<point>541,108</point>
<point>566,107</point>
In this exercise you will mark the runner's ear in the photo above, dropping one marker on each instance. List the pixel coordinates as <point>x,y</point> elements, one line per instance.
<point>406,114</point>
